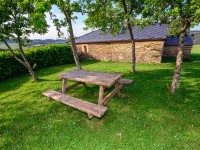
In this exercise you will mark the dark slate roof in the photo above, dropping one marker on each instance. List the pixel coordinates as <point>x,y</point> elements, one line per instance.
<point>173,41</point>
<point>152,32</point>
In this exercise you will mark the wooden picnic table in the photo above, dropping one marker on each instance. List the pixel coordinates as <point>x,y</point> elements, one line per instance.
<point>102,79</point>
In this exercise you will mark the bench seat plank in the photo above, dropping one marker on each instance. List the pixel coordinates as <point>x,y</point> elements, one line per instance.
<point>87,107</point>
<point>126,81</point>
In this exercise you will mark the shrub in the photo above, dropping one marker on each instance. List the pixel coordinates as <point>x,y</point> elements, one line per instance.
<point>38,57</point>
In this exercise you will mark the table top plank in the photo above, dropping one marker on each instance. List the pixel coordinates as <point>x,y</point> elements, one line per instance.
<point>98,78</point>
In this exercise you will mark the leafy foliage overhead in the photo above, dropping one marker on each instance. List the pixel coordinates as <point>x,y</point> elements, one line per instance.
<point>111,15</point>
<point>175,13</point>
<point>18,19</point>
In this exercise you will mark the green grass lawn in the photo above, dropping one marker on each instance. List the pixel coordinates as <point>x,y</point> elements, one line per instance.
<point>196,48</point>
<point>146,117</point>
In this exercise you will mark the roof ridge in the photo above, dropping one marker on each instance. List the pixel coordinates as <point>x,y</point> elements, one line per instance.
<point>87,33</point>
<point>157,31</point>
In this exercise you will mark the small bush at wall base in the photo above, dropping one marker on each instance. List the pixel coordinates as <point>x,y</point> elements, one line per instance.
<point>39,57</point>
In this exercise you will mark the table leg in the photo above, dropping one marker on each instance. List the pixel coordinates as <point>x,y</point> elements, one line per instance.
<point>101,94</point>
<point>111,94</point>
<point>84,84</point>
<point>116,86</point>
<point>100,101</point>
<point>90,116</point>
<point>64,82</point>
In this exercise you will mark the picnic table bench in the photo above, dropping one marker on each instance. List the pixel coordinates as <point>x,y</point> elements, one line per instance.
<point>102,79</point>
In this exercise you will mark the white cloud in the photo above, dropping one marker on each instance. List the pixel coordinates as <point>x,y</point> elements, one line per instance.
<point>52,32</point>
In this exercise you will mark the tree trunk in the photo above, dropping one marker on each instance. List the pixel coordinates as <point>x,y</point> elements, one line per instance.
<point>25,63</point>
<point>74,48</point>
<point>32,72</point>
<point>133,49</point>
<point>28,66</point>
<point>72,39</point>
<point>179,61</point>
<point>131,36</point>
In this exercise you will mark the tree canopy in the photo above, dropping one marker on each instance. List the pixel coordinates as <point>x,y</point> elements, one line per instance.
<point>180,15</point>
<point>16,24</point>
<point>114,16</point>
<point>67,8</point>
<point>172,12</point>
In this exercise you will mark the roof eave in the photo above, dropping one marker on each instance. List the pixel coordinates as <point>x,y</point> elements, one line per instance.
<point>110,41</point>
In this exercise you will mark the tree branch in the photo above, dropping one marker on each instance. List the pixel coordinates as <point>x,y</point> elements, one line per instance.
<point>128,21</point>
<point>20,44</point>
<point>13,54</point>
<point>185,26</point>
<point>132,7</point>
<point>124,5</point>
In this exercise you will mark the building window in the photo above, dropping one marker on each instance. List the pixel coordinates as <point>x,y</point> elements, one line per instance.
<point>85,49</point>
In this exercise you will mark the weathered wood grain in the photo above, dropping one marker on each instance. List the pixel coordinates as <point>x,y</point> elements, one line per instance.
<point>87,107</point>
<point>111,94</point>
<point>90,116</point>
<point>101,94</point>
<point>64,82</point>
<point>72,86</point>
<point>103,79</point>
<point>97,78</point>
<point>116,86</point>
<point>126,81</point>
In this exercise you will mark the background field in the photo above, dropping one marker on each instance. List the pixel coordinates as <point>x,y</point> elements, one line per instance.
<point>36,42</point>
<point>12,45</point>
<point>196,48</point>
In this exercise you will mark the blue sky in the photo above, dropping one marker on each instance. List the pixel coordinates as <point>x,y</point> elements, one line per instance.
<point>196,27</point>
<point>77,26</point>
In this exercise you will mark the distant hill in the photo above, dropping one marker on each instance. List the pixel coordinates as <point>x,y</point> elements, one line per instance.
<point>47,41</point>
<point>196,36</point>
<point>35,42</point>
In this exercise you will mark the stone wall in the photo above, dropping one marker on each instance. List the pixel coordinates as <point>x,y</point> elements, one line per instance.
<point>171,51</point>
<point>146,51</point>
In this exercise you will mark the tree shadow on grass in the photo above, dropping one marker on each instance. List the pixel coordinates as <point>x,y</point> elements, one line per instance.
<point>43,74</point>
<point>14,83</point>
<point>195,57</point>
<point>54,70</point>
<point>63,68</point>
<point>89,62</point>
<point>147,107</point>
<point>190,85</point>
<point>38,119</point>
<point>173,59</point>
<point>155,85</point>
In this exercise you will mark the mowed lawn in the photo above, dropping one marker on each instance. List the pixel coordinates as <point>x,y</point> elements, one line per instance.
<point>147,116</point>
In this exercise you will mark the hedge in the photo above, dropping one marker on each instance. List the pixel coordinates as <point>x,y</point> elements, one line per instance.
<point>38,57</point>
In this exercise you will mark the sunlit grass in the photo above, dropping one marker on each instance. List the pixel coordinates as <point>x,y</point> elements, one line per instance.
<point>196,48</point>
<point>146,117</point>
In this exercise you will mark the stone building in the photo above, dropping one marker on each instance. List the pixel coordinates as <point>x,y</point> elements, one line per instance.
<point>151,44</point>
<point>171,46</point>
<point>196,34</point>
